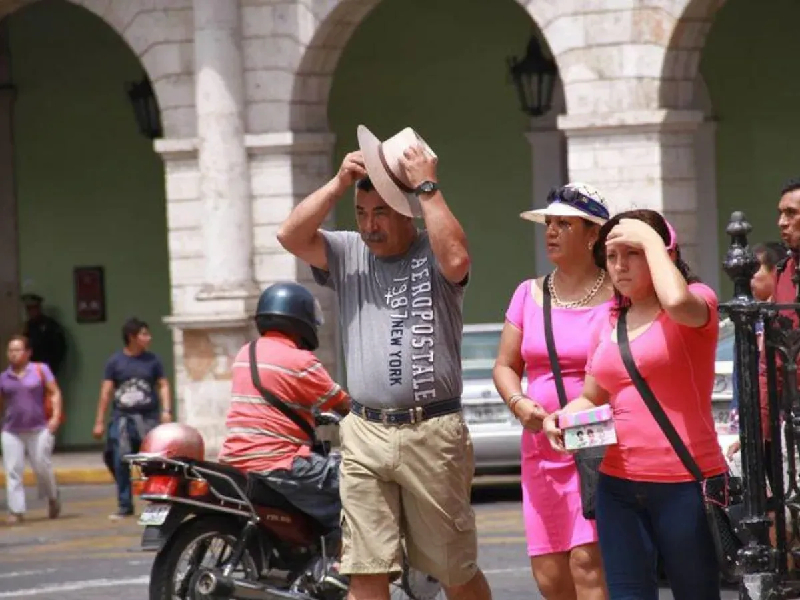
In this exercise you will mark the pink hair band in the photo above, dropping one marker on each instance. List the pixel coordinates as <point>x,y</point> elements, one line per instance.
<point>673,237</point>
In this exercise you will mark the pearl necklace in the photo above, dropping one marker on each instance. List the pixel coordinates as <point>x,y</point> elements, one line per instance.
<point>551,285</point>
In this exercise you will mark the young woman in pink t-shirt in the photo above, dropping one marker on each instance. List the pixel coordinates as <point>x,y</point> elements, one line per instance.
<point>647,502</point>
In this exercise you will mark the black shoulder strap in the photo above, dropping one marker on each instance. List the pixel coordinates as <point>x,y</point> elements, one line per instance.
<point>273,399</point>
<point>650,400</point>
<point>547,306</point>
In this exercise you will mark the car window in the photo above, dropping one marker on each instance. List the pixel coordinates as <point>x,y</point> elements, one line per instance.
<point>725,346</point>
<point>478,352</point>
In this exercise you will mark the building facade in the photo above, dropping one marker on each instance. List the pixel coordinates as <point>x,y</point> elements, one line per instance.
<point>259,100</point>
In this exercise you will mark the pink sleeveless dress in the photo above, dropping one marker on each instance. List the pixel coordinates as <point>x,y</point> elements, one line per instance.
<point>551,498</point>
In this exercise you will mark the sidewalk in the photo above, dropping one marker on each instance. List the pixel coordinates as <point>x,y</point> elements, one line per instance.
<point>72,468</point>
<point>77,468</point>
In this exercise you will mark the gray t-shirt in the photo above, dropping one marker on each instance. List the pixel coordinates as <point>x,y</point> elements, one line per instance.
<point>400,319</point>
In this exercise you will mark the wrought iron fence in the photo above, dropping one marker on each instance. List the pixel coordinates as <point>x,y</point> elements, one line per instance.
<point>767,568</point>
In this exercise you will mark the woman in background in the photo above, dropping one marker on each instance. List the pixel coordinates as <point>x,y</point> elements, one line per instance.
<point>26,429</point>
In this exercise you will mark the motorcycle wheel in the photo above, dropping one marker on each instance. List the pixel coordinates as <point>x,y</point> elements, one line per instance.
<point>164,585</point>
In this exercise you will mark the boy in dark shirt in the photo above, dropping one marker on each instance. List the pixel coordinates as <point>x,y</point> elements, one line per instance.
<point>134,380</point>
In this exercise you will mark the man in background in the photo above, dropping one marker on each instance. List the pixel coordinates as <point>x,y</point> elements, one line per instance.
<point>46,336</point>
<point>135,384</point>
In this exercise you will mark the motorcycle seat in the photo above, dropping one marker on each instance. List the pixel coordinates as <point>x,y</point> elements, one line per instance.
<point>256,489</point>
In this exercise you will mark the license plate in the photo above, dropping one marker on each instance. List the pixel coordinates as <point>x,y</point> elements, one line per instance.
<point>489,413</point>
<point>154,515</point>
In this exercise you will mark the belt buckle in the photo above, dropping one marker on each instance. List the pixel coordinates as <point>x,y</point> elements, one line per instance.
<point>416,415</point>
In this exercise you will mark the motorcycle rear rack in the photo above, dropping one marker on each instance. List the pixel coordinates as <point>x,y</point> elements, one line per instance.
<point>197,503</point>
<point>193,472</point>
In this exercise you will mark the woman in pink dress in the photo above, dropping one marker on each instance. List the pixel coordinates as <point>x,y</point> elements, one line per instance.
<point>562,544</point>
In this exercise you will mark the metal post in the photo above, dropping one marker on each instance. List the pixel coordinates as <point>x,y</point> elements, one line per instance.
<point>757,558</point>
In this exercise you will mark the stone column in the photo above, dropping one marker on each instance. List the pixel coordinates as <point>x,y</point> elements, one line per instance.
<point>224,178</point>
<point>286,167</point>
<point>710,261</point>
<point>204,353</point>
<point>548,170</point>
<point>207,333</point>
<point>642,159</point>
<point>10,307</point>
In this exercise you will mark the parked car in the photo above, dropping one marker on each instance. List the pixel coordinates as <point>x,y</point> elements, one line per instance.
<point>722,396</point>
<point>494,430</point>
<point>496,433</point>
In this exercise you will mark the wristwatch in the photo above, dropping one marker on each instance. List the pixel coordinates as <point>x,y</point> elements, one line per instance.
<point>426,187</point>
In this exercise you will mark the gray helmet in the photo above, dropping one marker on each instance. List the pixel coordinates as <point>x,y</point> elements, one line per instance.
<point>292,309</point>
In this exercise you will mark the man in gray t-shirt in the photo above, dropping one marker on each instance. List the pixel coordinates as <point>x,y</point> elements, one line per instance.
<point>400,320</point>
<point>407,457</point>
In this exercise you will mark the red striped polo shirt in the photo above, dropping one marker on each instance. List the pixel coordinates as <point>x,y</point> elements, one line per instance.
<point>260,437</point>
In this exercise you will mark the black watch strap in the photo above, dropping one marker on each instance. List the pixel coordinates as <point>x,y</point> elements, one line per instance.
<point>426,187</point>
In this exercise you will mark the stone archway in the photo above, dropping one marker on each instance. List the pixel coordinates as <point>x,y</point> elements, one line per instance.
<point>692,22</point>
<point>455,91</point>
<point>327,27</point>
<point>80,187</point>
<point>291,52</point>
<point>160,34</point>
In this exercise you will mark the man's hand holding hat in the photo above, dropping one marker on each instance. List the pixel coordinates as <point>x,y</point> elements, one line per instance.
<point>418,166</point>
<point>352,170</point>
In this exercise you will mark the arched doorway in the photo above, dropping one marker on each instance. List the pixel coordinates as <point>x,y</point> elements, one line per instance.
<point>88,190</point>
<point>435,66</point>
<point>743,54</point>
<point>747,63</point>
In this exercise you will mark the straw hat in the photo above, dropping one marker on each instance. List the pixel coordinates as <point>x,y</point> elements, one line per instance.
<point>382,160</point>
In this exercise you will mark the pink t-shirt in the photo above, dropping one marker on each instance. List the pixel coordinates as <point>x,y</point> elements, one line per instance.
<point>678,364</point>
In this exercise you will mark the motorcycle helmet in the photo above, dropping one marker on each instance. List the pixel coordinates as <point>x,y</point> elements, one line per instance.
<point>174,440</point>
<point>291,309</point>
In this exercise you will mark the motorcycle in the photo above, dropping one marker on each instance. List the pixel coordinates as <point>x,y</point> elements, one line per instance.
<point>268,550</point>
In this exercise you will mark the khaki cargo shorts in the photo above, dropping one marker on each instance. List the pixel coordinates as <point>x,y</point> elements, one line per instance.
<point>412,481</point>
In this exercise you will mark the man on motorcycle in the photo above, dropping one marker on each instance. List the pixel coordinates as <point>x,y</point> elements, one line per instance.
<point>263,439</point>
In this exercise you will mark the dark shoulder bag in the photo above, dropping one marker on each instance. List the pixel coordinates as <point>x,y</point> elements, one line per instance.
<point>718,491</point>
<point>587,460</point>
<point>274,400</point>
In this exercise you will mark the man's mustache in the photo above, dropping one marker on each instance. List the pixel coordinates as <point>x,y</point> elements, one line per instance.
<point>376,236</point>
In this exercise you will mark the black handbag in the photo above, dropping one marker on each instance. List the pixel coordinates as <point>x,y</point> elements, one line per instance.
<point>588,459</point>
<point>719,492</point>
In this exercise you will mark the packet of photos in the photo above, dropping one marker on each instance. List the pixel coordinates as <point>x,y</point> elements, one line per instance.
<point>588,428</point>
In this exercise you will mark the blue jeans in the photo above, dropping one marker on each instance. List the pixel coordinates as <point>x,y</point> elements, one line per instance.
<point>637,521</point>
<point>122,472</point>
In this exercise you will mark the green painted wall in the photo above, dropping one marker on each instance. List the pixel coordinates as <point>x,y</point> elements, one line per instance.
<point>439,66</point>
<point>90,190</point>
<point>749,65</point>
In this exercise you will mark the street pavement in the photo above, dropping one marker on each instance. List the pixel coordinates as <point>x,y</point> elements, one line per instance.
<point>82,555</point>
